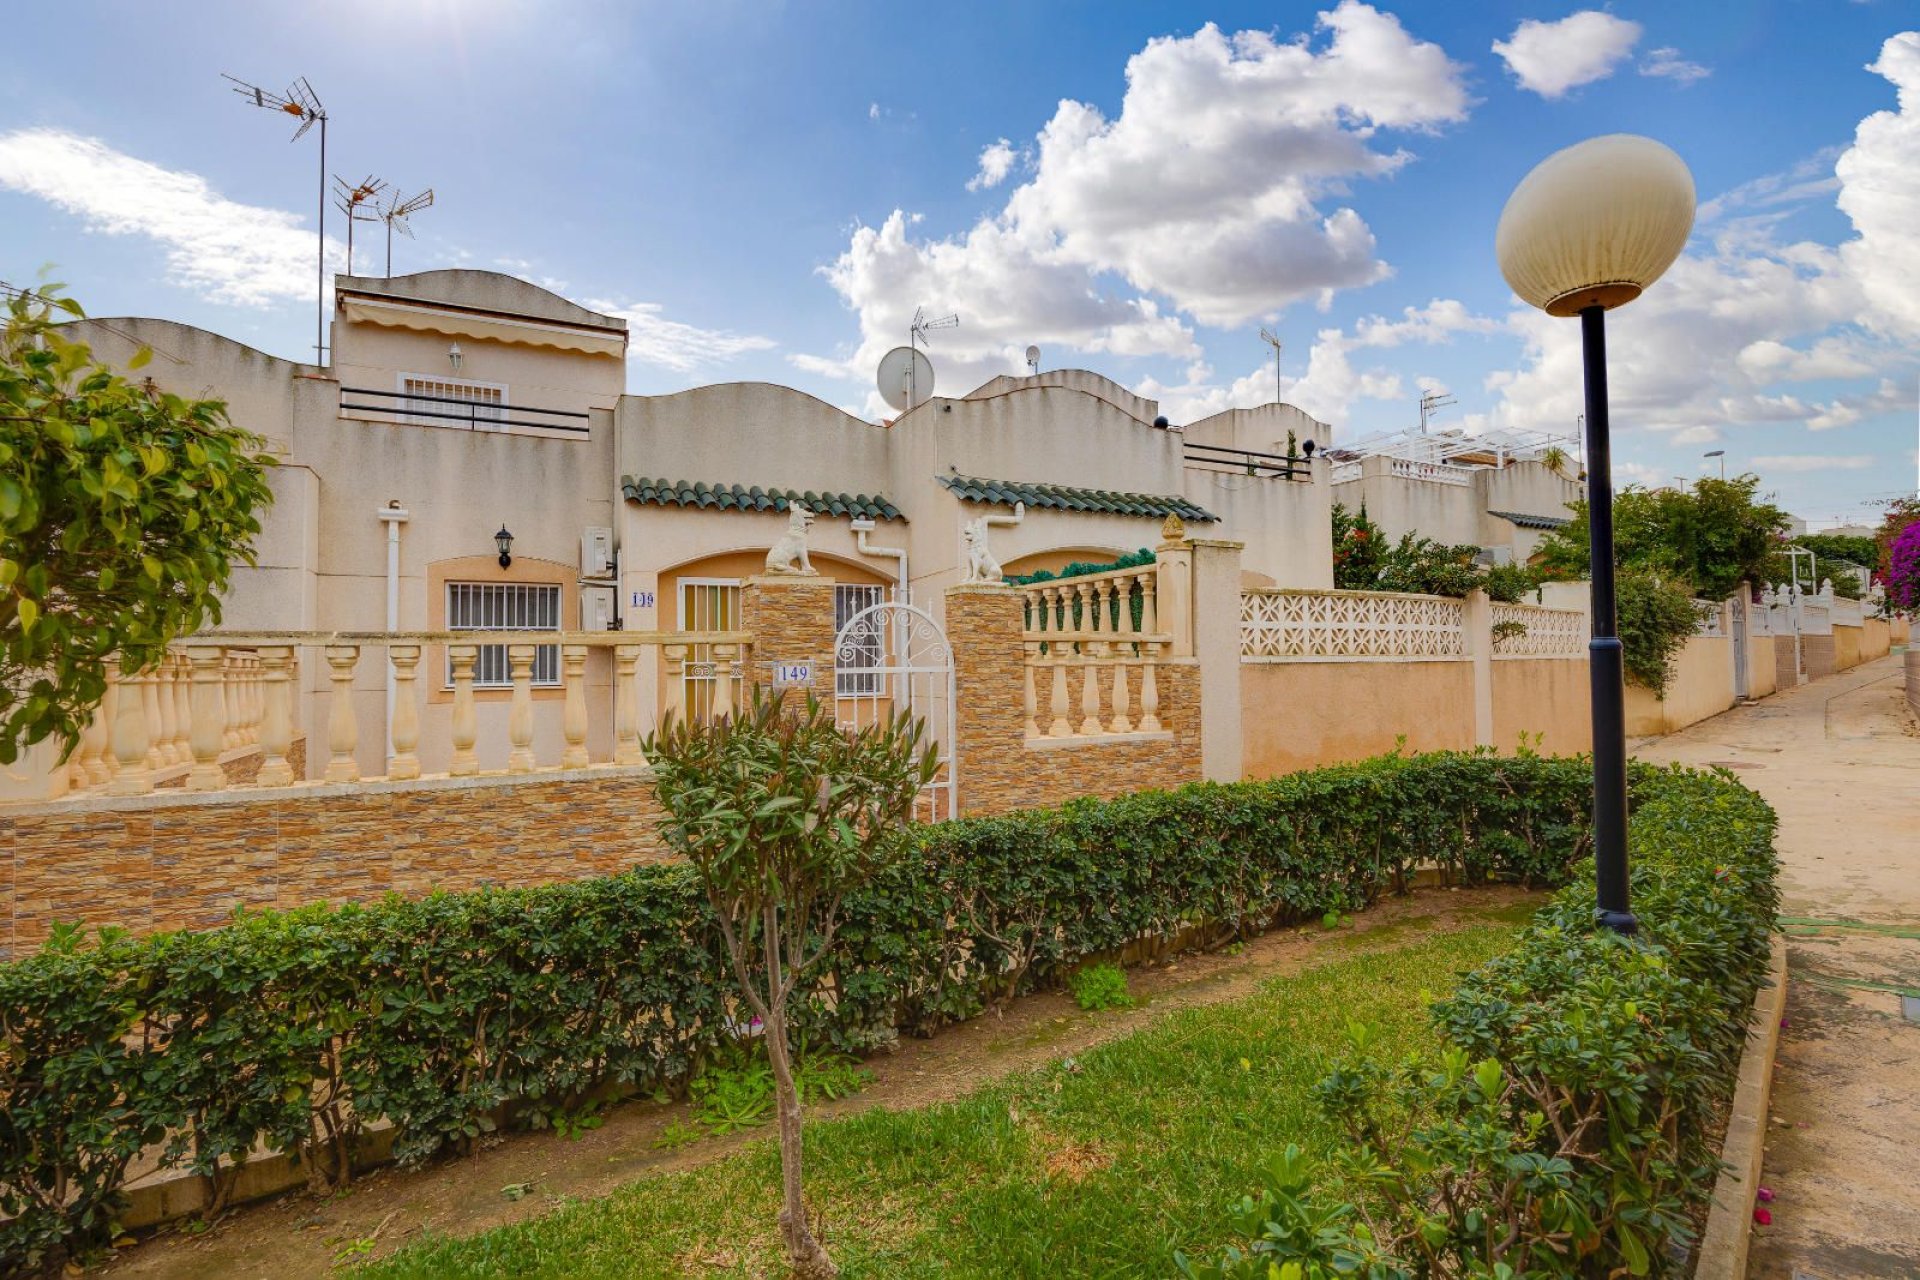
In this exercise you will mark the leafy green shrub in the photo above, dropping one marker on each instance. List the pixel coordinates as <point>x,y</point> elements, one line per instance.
<point>1567,1126</point>
<point>451,1015</point>
<point>1100,986</point>
<point>1657,617</point>
<point>1365,560</point>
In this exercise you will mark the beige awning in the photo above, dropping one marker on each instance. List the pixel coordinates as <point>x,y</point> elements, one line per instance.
<point>426,318</point>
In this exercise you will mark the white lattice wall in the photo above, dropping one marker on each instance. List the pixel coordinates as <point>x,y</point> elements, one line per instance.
<point>1350,624</point>
<point>1550,633</point>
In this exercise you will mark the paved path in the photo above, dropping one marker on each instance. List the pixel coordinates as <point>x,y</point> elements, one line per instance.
<point>1839,760</point>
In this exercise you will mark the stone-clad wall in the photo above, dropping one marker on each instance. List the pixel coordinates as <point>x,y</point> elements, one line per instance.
<point>1817,653</point>
<point>185,860</point>
<point>1000,770</point>
<point>791,617</point>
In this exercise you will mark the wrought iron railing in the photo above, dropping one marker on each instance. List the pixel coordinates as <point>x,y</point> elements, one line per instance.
<point>475,415</point>
<point>1248,461</point>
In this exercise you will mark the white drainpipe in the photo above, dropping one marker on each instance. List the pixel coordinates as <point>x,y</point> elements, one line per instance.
<point>393,515</point>
<point>861,528</point>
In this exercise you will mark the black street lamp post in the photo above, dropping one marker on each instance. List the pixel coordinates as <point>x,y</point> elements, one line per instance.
<point>1588,230</point>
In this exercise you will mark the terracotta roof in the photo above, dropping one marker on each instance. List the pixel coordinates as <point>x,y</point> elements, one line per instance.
<point>1526,521</point>
<point>1064,498</point>
<point>724,497</point>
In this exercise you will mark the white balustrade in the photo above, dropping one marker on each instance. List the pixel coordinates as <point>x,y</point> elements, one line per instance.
<point>218,698</point>
<point>1432,472</point>
<point>1320,625</point>
<point>1708,614</point>
<point>1089,640</point>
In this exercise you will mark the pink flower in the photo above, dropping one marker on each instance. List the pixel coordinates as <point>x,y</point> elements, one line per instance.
<point>1763,1217</point>
<point>1766,1195</point>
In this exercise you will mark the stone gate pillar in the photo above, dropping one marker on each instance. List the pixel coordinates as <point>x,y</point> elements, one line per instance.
<point>791,618</point>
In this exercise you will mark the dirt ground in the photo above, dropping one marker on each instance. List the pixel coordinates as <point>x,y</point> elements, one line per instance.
<point>1839,760</point>
<point>300,1235</point>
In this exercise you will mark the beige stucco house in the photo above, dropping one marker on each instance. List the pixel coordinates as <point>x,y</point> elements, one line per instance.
<point>458,404</point>
<point>462,404</point>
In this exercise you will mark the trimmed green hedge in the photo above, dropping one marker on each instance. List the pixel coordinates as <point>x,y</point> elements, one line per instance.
<point>450,1015</point>
<point>1569,1125</point>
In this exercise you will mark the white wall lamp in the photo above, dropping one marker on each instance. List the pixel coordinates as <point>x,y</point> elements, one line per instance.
<point>455,356</point>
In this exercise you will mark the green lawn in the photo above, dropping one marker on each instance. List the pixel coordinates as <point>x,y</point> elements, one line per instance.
<point>1095,1167</point>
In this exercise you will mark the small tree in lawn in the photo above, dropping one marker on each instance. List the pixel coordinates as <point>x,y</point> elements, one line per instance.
<point>782,813</point>
<point>122,511</point>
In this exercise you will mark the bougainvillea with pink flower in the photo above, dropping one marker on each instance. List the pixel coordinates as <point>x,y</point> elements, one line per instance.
<point>1903,568</point>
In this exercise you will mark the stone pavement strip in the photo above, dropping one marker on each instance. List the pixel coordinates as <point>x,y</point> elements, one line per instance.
<point>1839,760</point>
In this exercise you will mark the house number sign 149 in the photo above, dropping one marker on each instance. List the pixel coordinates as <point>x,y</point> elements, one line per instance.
<point>792,675</point>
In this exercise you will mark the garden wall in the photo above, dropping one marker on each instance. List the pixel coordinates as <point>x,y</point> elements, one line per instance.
<point>1298,715</point>
<point>1846,647</point>
<point>1875,639</point>
<point>1701,686</point>
<point>1818,655</point>
<point>1001,769</point>
<point>1550,698</point>
<point>186,860</point>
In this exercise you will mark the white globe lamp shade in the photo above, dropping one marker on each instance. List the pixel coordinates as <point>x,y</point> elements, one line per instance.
<point>1595,224</point>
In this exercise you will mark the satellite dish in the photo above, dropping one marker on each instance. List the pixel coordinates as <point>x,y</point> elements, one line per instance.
<point>905,378</point>
<point>1033,359</point>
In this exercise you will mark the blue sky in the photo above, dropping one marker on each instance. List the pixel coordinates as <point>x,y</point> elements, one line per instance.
<point>769,191</point>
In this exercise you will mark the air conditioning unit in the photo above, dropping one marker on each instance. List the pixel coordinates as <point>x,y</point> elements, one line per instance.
<point>596,553</point>
<point>596,608</point>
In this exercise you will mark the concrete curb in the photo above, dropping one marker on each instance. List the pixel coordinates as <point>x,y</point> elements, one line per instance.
<point>1729,1231</point>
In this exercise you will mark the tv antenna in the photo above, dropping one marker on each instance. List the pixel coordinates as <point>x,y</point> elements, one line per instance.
<point>359,201</point>
<point>917,331</point>
<point>395,214</point>
<point>1430,402</point>
<point>303,104</point>
<point>1033,360</point>
<point>1272,339</point>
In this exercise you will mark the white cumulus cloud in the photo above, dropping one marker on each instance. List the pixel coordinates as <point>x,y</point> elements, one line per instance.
<point>669,344</point>
<point>1552,58</point>
<point>1667,64</point>
<point>1213,196</point>
<point>219,248</point>
<point>996,162</point>
<point>1880,191</point>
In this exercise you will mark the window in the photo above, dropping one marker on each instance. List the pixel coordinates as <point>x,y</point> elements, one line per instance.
<point>432,408</point>
<point>707,604</point>
<point>505,606</point>
<point>867,647</point>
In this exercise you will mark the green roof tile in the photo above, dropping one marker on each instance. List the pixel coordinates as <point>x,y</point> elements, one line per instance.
<point>1066,498</point>
<point>719,497</point>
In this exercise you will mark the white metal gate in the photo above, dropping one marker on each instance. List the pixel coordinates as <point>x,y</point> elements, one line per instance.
<point>890,658</point>
<point>1741,603</point>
